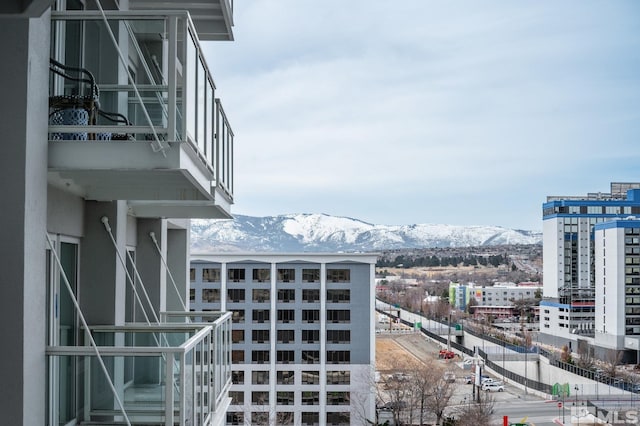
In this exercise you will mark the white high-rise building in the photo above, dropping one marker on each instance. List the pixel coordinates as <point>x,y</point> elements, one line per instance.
<point>568,308</point>
<point>114,139</point>
<point>303,340</point>
<point>617,270</point>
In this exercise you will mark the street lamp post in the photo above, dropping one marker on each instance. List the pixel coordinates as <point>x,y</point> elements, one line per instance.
<point>575,388</point>
<point>449,333</point>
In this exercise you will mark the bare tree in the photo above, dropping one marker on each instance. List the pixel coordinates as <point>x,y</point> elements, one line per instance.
<point>474,414</point>
<point>586,359</point>
<point>360,400</point>
<point>565,354</point>
<point>422,385</point>
<point>437,400</point>
<point>393,391</point>
<point>613,359</point>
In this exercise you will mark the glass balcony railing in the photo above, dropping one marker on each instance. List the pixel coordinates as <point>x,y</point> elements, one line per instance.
<point>163,374</point>
<point>221,335</point>
<point>137,76</point>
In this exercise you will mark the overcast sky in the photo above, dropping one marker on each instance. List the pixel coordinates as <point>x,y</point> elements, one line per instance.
<point>421,111</point>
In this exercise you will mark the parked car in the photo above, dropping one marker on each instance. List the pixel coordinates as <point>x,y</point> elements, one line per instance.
<point>449,377</point>
<point>468,380</point>
<point>394,406</point>
<point>493,387</point>
<point>445,354</point>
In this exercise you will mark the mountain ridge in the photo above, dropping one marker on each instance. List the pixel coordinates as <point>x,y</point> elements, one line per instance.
<point>319,232</point>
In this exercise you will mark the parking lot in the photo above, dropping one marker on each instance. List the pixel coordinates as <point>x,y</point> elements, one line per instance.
<point>392,348</point>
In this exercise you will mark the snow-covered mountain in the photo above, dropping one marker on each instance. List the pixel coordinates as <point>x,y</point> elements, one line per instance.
<point>323,233</point>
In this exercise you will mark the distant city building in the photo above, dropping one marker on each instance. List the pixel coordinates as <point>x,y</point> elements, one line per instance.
<point>574,274</point>
<point>497,300</point>
<point>303,340</point>
<point>389,279</point>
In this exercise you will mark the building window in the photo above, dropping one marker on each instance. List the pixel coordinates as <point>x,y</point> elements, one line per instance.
<point>237,336</point>
<point>286,336</point>
<point>286,315</point>
<point>338,357</point>
<point>235,275</point>
<point>310,377</point>
<point>237,316</point>
<point>259,377</point>
<point>260,295</point>
<point>211,275</point>
<point>310,418</point>
<point>310,275</point>
<point>310,398</point>
<point>338,275</point>
<point>235,295</point>
<point>285,357</point>
<point>310,336</point>
<point>337,398</point>
<point>260,336</point>
<point>284,417</point>
<point>284,398</point>
<point>286,295</point>
<point>261,315</point>
<point>237,397</point>
<point>259,398</point>
<point>338,296</point>
<point>338,377</point>
<point>338,315</point>
<point>310,296</point>
<point>338,418</point>
<point>285,377</point>
<point>262,275</point>
<point>259,357</point>
<point>310,315</point>
<point>286,275</point>
<point>339,336</point>
<point>235,418</point>
<point>310,357</point>
<point>260,417</point>
<point>192,274</point>
<point>237,377</point>
<point>210,295</point>
<point>237,356</point>
<point>192,295</point>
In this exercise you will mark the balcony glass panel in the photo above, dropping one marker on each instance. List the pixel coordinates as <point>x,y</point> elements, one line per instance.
<point>191,81</point>
<point>172,374</point>
<point>152,85</point>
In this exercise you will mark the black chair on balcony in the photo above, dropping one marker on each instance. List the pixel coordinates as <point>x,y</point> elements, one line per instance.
<point>81,107</point>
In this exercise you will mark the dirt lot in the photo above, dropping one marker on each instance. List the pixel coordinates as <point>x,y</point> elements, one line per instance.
<point>393,350</point>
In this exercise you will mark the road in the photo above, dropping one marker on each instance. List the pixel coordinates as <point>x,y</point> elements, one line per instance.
<point>513,402</point>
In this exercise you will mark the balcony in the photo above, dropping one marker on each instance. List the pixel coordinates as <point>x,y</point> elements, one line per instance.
<point>168,374</point>
<point>212,18</point>
<point>133,115</point>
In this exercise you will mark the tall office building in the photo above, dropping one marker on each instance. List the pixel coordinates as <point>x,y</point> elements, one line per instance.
<point>114,139</point>
<point>568,308</point>
<point>303,341</point>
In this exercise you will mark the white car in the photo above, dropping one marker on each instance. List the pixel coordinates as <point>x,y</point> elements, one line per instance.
<point>493,387</point>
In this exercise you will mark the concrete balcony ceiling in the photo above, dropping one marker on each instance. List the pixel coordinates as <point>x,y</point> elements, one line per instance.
<point>26,8</point>
<point>176,185</point>
<point>213,19</point>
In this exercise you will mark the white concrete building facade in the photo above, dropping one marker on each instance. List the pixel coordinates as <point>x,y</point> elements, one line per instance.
<point>114,140</point>
<point>617,270</point>
<point>568,308</point>
<point>303,334</point>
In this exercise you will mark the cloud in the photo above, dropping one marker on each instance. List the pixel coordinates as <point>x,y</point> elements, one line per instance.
<point>349,101</point>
